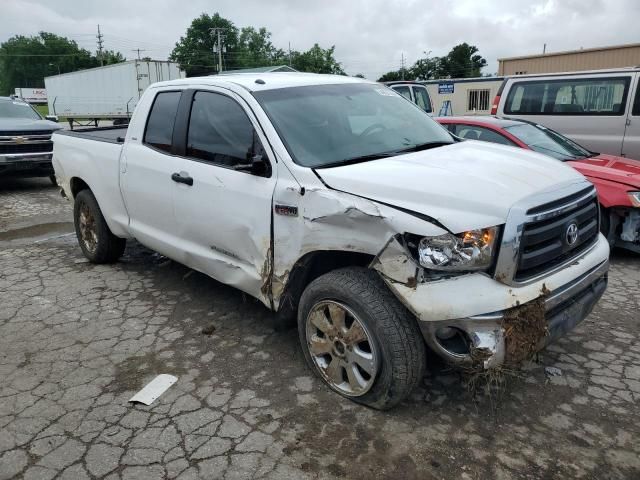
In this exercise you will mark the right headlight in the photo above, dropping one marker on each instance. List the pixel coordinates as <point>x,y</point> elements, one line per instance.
<point>467,251</point>
<point>635,198</point>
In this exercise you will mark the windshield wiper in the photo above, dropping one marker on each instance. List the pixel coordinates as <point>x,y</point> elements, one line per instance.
<point>359,159</point>
<point>422,146</point>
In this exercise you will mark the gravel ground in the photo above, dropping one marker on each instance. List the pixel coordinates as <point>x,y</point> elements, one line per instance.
<point>78,340</point>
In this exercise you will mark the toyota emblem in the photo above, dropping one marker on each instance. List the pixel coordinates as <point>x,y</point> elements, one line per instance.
<point>571,235</point>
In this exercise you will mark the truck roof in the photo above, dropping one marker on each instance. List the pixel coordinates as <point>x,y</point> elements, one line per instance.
<point>266,81</point>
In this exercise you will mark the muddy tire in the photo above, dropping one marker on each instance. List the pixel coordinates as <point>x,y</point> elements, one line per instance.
<point>97,242</point>
<point>359,339</point>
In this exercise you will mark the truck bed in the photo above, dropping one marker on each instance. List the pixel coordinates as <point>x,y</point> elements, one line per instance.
<point>100,134</point>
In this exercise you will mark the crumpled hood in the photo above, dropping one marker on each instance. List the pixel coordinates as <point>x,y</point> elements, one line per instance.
<point>610,167</point>
<point>27,125</point>
<point>466,185</point>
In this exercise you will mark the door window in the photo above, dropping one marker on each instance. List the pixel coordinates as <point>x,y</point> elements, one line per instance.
<point>422,98</point>
<point>162,117</point>
<point>403,90</point>
<point>220,131</point>
<point>575,96</point>
<point>474,132</point>
<point>636,102</point>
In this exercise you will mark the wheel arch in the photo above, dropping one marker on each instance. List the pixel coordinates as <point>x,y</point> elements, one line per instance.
<point>306,269</point>
<point>76,185</point>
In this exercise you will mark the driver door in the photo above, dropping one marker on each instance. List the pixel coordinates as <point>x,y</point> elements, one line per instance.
<point>223,213</point>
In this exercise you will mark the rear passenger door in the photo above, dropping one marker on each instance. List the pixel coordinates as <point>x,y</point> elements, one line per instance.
<point>223,216</point>
<point>631,145</point>
<point>147,163</point>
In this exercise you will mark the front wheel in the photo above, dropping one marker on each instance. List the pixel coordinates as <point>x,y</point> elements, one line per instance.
<point>359,339</point>
<point>97,242</point>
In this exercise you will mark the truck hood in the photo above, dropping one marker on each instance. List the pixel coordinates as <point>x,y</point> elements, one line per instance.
<point>463,186</point>
<point>612,168</point>
<point>27,125</point>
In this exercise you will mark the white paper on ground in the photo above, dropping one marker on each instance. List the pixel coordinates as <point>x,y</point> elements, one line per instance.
<point>154,389</point>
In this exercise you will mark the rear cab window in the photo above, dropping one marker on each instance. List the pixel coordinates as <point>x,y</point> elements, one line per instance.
<point>162,117</point>
<point>570,96</point>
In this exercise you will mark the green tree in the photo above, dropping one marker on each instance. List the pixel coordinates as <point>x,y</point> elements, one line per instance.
<point>195,51</point>
<point>256,50</point>
<point>425,69</point>
<point>110,57</point>
<point>392,76</point>
<point>316,60</point>
<point>26,60</point>
<point>463,61</point>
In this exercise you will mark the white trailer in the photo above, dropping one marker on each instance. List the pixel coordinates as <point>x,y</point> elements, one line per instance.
<point>105,93</point>
<point>463,96</point>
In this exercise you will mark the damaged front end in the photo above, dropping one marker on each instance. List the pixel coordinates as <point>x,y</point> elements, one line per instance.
<point>519,321</point>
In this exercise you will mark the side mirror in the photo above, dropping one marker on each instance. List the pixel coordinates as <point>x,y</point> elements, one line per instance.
<point>52,118</point>
<point>257,165</point>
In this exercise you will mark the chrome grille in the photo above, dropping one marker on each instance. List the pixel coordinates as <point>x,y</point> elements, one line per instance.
<point>546,242</point>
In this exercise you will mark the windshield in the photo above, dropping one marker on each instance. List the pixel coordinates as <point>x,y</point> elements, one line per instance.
<point>325,125</point>
<point>17,109</point>
<point>547,141</point>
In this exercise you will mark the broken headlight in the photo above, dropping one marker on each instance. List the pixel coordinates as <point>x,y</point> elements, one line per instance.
<point>472,250</point>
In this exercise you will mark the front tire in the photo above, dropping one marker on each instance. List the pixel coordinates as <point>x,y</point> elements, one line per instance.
<point>359,339</point>
<point>97,242</point>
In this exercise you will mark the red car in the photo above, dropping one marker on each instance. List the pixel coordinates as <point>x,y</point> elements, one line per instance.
<point>617,179</point>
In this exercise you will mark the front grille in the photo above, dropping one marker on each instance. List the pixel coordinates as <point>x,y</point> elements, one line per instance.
<point>17,148</point>
<point>18,133</point>
<point>544,244</point>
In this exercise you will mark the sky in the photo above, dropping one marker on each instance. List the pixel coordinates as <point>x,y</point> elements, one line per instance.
<point>370,36</point>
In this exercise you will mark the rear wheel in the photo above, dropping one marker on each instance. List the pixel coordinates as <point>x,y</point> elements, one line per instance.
<point>52,179</point>
<point>359,339</point>
<point>97,242</point>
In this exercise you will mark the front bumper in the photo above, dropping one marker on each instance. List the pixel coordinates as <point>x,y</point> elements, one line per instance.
<point>564,308</point>
<point>465,314</point>
<point>26,165</point>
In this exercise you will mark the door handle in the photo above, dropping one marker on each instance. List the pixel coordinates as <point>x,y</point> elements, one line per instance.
<point>176,177</point>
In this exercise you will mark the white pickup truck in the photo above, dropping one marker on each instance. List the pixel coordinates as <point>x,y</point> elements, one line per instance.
<point>336,202</point>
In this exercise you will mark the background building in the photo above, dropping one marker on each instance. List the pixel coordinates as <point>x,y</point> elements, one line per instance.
<point>463,96</point>
<point>572,61</point>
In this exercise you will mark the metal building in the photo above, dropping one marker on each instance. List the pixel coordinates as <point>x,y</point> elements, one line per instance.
<point>463,96</point>
<point>572,61</point>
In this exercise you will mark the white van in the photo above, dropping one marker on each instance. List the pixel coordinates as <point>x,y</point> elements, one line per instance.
<point>599,109</point>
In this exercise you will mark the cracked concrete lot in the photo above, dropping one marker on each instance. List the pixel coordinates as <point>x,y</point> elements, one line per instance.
<point>78,340</point>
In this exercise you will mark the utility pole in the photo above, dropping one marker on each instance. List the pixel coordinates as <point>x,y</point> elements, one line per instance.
<point>99,42</point>
<point>289,53</point>
<point>217,31</point>
<point>402,67</point>
<point>138,50</point>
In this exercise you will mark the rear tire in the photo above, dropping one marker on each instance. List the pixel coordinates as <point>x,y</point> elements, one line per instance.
<point>371,350</point>
<point>52,179</point>
<point>97,242</point>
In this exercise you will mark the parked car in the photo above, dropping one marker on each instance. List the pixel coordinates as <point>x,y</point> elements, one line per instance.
<point>335,201</point>
<point>414,92</point>
<point>617,179</point>
<point>25,140</point>
<point>598,109</point>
